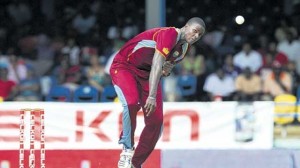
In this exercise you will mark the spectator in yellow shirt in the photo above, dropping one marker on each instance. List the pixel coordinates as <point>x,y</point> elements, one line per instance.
<point>248,86</point>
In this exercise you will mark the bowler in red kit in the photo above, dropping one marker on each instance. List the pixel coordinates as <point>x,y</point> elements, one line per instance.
<point>136,72</point>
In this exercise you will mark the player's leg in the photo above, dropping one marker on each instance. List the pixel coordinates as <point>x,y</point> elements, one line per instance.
<point>126,87</point>
<point>153,126</point>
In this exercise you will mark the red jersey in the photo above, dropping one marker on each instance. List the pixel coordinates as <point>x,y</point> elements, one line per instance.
<point>139,51</point>
<point>6,88</point>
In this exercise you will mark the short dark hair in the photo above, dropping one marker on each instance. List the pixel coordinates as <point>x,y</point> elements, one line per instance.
<point>197,20</point>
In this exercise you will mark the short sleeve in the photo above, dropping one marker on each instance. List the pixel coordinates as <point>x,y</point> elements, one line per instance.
<point>165,40</point>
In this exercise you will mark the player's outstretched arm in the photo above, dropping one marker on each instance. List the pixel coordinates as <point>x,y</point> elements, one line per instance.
<point>155,74</point>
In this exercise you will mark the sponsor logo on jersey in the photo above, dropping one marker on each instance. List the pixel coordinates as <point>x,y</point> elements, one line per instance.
<point>166,51</point>
<point>176,54</point>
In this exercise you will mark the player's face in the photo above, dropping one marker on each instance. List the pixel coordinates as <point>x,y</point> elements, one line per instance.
<point>193,33</point>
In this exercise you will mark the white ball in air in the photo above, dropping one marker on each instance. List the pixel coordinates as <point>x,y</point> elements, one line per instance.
<point>239,19</point>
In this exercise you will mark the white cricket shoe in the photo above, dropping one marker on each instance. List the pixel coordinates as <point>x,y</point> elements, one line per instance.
<point>125,158</point>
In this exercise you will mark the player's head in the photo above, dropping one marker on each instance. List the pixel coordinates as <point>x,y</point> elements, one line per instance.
<point>193,30</point>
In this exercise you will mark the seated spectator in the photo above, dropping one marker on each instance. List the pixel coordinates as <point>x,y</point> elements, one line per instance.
<point>8,87</point>
<point>73,50</point>
<point>277,55</point>
<point>229,68</point>
<point>276,83</point>
<point>291,48</point>
<point>67,74</point>
<point>29,88</point>
<point>248,86</point>
<point>96,75</point>
<point>219,86</point>
<point>195,64</point>
<point>248,58</point>
<point>269,55</point>
<point>16,68</point>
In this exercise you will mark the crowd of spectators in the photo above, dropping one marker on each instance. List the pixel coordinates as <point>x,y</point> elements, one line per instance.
<point>69,43</point>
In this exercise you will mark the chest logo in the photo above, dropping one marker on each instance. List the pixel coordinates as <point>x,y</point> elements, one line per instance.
<point>166,51</point>
<point>176,54</point>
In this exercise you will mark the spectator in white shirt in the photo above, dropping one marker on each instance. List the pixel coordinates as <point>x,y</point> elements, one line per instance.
<point>248,58</point>
<point>291,47</point>
<point>219,86</point>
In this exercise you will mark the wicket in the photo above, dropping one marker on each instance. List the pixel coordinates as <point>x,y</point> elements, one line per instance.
<point>32,127</point>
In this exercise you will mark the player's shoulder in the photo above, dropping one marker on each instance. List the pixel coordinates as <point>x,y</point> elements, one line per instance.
<point>165,32</point>
<point>172,30</point>
<point>164,29</point>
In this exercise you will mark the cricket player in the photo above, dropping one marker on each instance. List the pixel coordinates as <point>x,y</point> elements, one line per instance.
<point>136,72</point>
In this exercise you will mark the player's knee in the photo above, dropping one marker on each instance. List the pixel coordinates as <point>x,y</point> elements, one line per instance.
<point>133,106</point>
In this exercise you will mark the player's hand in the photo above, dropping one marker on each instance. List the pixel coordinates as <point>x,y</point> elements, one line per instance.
<point>167,68</point>
<point>150,106</point>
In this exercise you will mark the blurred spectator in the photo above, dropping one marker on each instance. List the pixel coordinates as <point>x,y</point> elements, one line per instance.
<point>248,86</point>
<point>248,58</point>
<point>277,55</point>
<point>229,68</point>
<point>8,87</point>
<point>44,56</point>
<point>19,12</point>
<point>276,83</point>
<point>271,55</point>
<point>129,30</point>
<point>67,74</point>
<point>84,21</point>
<point>17,70</point>
<point>283,29</point>
<point>219,86</point>
<point>45,50</point>
<point>29,88</point>
<point>290,47</point>
<point>86,53</point>
<point>73,51</point>
<point>195,64</point>
<point>113,32</point>
<point>96,75</point>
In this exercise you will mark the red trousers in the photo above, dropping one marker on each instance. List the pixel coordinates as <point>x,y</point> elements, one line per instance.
<point>132,88</point>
